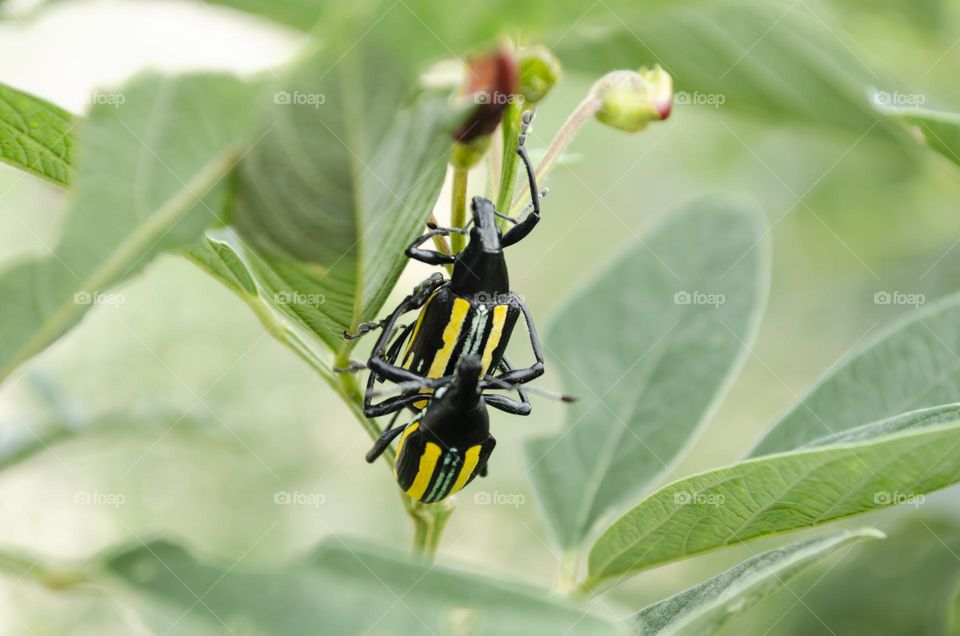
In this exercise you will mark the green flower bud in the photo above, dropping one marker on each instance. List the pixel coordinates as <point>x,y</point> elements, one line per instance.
<point>629,100</point>
<point>466,154</point>
<point>539,72</point>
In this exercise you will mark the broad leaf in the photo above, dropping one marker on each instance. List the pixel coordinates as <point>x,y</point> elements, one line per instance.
<point>348,169</point>
<point>651,367</point>
<point>704,608</point>
<point>769,61</point>
<point>35,135</point>
<point>147,182</point>
<point>782,492</point>
<point>901,585</point>
<point>343,588</point>
<point>912,365</point>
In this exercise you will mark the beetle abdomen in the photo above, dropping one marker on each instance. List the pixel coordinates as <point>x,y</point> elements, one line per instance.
<point>429,472</point>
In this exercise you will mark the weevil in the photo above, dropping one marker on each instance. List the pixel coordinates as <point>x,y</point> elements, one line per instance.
<point>471,314</point>
<point>447,444</point>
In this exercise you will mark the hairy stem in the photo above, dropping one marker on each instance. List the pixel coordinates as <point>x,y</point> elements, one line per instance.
<point>584,111</point>
<point>458,207</point>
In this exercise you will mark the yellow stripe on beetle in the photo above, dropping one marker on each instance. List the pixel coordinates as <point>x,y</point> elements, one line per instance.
<point>403,437</point>
<point>428,463</point>
<point>416,330</point>
<point>470,459</point>
<point>496,331</point>
<point>451,335</point>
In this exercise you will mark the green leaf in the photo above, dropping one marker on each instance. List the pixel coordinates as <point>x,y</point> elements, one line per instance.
<point>35,135</point>
<point>649,370</point>
<point>147,182</point>
<point>278,284</point>
<point>909,366</point>
<point>219,259</point>
<point>939,130</point>
<point>769,61</point>
<point>343,588</point>
<point>784,492</point>
<point>702,609</point>
<point>345,175</point>
<point>901,585</point>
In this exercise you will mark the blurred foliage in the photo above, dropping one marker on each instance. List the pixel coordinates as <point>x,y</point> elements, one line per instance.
<point>217,420</point>
<point>902,586</point>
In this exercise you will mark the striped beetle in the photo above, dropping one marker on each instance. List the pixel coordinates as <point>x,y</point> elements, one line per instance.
<point>472,314</point>
<point>445,445</point>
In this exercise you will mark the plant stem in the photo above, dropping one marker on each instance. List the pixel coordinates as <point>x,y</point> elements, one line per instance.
<point>584,111</point>
<point>510,126</point>
<point>458,207</point>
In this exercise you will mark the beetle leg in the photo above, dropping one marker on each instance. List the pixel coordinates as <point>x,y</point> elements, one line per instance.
<point>393,404</point>
<point>519,376</point>
<point>386,438</point>
<point>381,363</point>
<point>352,367</point>
<point>504,403</point>
<point>432,257</point>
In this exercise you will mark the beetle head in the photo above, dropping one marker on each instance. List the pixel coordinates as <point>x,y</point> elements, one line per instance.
<point>484,232</point>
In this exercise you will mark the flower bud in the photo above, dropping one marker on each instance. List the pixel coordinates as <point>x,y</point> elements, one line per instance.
<point>629,100</point>
<point>539,72</point>
<point>491,84</point>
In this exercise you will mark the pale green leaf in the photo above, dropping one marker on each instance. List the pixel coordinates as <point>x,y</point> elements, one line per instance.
<point>903,585</point>
<point>148,181</point>
<point>649,369</point>
<point>35,135</point>
<point>783,492</point>
<point>343,588</point>
<point>911,365</point>
<point>347,171</point>
<point>704,608</point>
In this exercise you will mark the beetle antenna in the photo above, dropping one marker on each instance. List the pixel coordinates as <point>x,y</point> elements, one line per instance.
<point>529,207</point>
